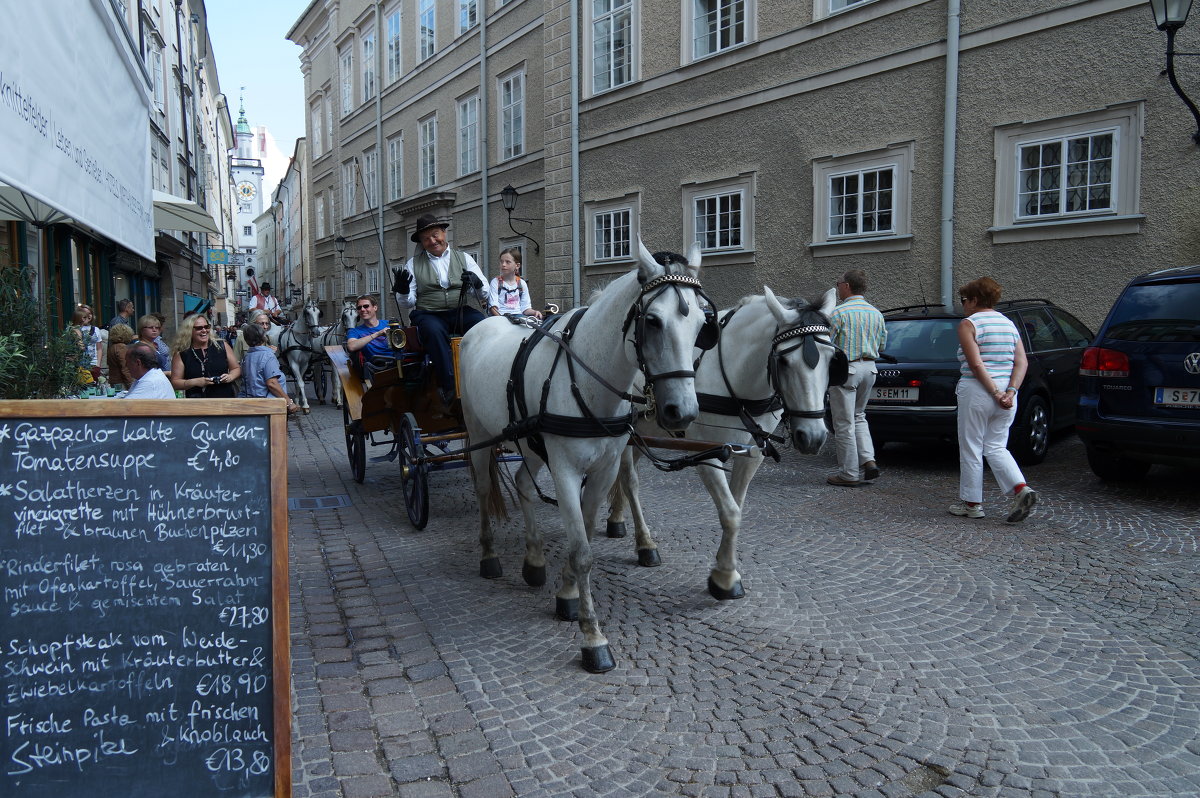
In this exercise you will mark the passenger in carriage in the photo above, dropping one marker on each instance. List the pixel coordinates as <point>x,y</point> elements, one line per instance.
<point>370,336</point>
<point>508,294</point>
<point>434,283</point>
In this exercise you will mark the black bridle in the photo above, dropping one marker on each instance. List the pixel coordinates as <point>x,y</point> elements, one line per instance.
<point>809,336</point>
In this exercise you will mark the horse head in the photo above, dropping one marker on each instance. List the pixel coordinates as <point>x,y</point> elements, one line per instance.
<point>803,359</point>
<point>349,315</point>
<point>311,314</point>
<point>667,320</point>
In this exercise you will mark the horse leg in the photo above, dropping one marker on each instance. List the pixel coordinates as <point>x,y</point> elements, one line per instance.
<point>724,581</point>
<point>483,465</point>
<point>744,470</point>
<point>630,485</point>
<point>297,368</point>
<point>595,652</point>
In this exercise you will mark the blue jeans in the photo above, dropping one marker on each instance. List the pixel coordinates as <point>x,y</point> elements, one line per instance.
<point>435,328</point>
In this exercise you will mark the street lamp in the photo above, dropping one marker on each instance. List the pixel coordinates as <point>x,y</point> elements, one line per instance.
<point>339,246</point>
<point>508,198</point>
<point>1170,16</point>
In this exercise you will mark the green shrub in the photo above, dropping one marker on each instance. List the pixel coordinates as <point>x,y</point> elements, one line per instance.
<point>35,363</point>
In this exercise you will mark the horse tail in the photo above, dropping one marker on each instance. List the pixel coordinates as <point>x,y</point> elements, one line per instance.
<point>494,504</point>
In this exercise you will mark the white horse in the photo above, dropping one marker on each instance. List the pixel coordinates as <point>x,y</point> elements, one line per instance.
<point>296,347</point>
<point>333,335</point>
<point>647,320</point>
<point>774,359</point>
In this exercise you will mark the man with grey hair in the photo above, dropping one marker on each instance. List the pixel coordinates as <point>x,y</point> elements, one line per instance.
<point>149,381</point>
<point>859,331</point>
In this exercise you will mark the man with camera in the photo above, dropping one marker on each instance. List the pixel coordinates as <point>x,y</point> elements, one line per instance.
<point>435,283</point>
<point>370,337</point>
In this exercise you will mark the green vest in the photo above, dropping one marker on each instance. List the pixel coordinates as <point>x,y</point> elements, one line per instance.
<point>430,294</point>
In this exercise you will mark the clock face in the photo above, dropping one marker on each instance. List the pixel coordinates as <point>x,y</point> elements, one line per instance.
<point>246,190</point>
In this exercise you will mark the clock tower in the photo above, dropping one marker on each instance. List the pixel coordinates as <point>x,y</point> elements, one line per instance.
<point>247,173</point>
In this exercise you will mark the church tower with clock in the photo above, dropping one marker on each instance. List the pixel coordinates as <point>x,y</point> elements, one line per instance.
<point>247,188</point>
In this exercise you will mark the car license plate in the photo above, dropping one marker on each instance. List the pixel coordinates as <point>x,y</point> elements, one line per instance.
<point>895,394</point>
<point>1176,397</point>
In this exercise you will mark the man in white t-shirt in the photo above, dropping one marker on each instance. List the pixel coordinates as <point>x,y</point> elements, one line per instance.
<point>150,382</point>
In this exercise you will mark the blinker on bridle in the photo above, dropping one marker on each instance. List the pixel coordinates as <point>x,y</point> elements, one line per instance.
<point>708,333</point>
<point>809,338</point>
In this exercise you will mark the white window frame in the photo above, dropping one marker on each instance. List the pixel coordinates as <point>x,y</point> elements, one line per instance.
<point>593,212</point>
<point>392,24</point>
<point>373,280</point>
<point>827,8</point>
<point>426,29</point>
<point>1126,123</point>
<point>349,195</point>
<point>395,147</point>
<point>316,119</point>
<point>156,72</point>
<point>427,150</point>
<point>743,186</point>
<point>899,158</point>
<point>366,39</point>
<point>692,20</point>
<point>320,214</point>
<point>370,177</point>
<point>511,119</point>
<point>599,35</point>
<point>468,15</point>
<point>350,282</point>
<point>346,76</point>
<point>322,293</point>
<point>468,135</point>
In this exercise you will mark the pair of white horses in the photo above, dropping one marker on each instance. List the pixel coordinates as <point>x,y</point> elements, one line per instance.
<point>641,330</point>
<point>303,340</point>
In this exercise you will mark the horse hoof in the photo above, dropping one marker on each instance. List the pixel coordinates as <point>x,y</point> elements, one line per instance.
<point>648,558</point>
<point>567,609</point>
<point>724,594</point>
<point>598,659</point>
<point>534,575</point>
<point>307,410</point>
<point>490,568</point>
<point>615,529</point>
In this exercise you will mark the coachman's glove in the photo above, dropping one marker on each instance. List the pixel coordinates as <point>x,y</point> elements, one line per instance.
<point>402,282</point>
<point>471,280</point>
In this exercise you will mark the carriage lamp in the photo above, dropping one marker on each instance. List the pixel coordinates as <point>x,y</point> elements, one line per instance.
<point>508,198</point>
<point>1169,17</point>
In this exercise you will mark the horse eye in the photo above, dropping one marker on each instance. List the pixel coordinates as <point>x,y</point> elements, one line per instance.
<point>654,321</point>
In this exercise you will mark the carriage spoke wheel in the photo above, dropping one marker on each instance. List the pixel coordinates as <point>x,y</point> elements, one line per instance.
<point>414,472</point>
<point>356,446</point>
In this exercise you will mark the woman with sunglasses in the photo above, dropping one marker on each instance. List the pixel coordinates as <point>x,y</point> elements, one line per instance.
<point>202,366</point>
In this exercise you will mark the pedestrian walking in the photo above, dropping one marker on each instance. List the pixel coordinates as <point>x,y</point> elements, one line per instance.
<point>859,331</point>
<point>990,355</point>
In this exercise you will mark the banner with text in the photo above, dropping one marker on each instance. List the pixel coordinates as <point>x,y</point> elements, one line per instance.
<point>74,118</point>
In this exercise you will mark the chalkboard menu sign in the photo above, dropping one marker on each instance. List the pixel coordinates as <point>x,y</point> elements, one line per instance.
<point>143,563</point>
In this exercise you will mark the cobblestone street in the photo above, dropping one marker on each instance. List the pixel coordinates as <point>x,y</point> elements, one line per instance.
<point>884,648</point>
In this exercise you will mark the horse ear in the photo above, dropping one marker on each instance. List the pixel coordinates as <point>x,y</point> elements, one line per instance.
<point>829,301</point>
<point>648,268</point>
<point>693,257</point>
<point>775,306</point>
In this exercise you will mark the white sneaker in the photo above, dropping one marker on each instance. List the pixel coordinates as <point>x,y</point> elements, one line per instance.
<point>1022,504</point>
<point>966,510</point>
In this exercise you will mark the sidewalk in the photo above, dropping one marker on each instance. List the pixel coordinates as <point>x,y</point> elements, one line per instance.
<point>884,647</point>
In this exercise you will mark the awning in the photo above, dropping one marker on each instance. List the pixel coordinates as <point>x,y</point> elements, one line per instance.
<point>17,206</point>
<point>177,213</point>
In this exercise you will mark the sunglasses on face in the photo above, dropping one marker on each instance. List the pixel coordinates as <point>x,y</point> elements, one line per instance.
<point>199,328</point>
<point>365,307</point>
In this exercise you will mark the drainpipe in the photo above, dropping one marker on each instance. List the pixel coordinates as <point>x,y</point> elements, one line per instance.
<point>575,222</point>
<point>949,130</point>
<point>385,268</point>
<point>484,199</point>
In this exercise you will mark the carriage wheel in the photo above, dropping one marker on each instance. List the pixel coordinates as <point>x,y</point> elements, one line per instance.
<point>356,446</point>
<point>414,472</point>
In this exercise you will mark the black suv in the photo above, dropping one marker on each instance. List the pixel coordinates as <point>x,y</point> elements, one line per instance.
<point>914,399</point>
<point>1139,392</point>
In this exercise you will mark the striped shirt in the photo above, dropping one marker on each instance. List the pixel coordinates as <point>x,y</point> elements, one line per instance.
<point>997,339</point>
<point>858,329</point>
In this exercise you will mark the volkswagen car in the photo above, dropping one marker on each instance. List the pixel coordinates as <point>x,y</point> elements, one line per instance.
<point>1139,396</point>
<point>914,399</point>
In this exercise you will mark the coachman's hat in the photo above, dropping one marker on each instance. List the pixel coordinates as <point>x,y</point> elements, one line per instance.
<point>424,222</point>
<point>265,287</point>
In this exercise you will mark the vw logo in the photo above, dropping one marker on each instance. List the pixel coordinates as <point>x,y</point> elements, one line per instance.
<point>1192,363</point>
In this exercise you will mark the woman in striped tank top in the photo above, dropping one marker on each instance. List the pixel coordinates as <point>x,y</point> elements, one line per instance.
<point>992,362</point>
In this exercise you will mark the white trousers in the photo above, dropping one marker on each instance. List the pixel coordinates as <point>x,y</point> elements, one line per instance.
<point>983,432</point>
<point>848,408</point>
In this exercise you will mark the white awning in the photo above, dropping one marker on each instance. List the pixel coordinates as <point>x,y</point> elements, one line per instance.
<point>177,213</point>
<point>17,206</point>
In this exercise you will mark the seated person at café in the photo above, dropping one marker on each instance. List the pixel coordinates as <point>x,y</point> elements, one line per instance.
<point>149,381</point>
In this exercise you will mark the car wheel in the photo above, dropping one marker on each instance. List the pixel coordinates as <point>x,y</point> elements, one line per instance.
<point>1114,468</point>
<point>1031,434</point>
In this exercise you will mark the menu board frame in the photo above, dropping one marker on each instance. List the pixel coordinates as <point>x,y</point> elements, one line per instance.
<point>275,413</point>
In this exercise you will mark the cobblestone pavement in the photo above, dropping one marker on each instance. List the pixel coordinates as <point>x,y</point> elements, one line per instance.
<point>884,648</point>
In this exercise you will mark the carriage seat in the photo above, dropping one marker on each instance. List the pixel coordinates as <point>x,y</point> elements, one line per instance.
<point>364,367</point>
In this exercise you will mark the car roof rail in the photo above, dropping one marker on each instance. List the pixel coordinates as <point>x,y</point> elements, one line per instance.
<point>938,308</point>
<point>1008,303</point>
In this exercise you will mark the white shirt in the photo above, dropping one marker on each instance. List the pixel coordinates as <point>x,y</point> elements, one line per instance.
<point>266,302</point>
<point>154,384</point>
<point>441,266</point>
